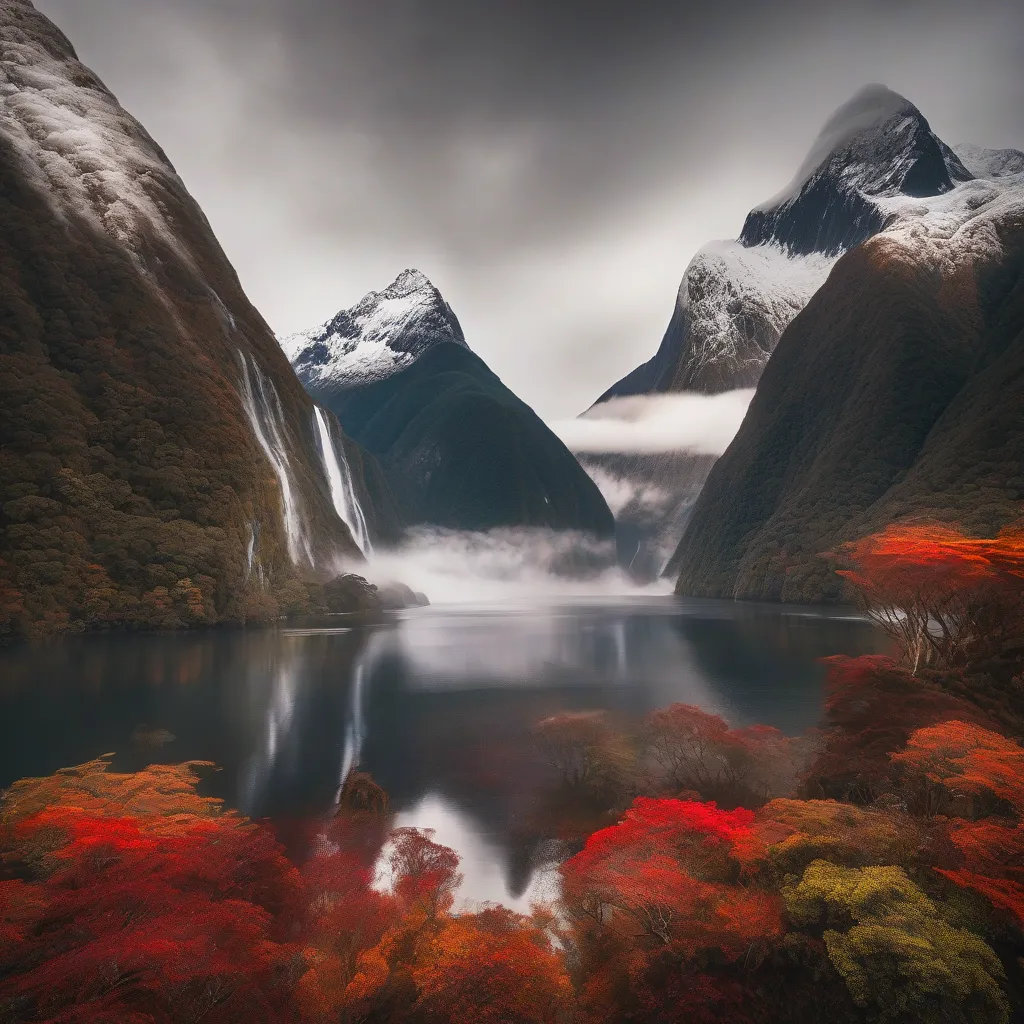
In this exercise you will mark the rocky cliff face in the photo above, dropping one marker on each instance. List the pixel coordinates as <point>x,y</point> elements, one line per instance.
<point>458,448</point>
<point>161,464</point>
<point>738,297</point>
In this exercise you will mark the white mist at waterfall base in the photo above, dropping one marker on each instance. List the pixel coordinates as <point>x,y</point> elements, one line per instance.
<point>502,566</point>
<point>339,476</point>
<point>263,409</point>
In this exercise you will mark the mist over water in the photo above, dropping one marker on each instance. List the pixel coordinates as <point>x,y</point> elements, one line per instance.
<point>513,566</point>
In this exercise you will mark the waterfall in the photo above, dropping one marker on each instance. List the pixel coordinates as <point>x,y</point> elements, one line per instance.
<point>250,554</point>
<point>339,476</point>
<point>266,417</point>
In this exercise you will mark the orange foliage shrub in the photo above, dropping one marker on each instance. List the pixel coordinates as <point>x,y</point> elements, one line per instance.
<point>958,759</point>
<point>586,750</point>
<point>131,898</point>
<point>173,912</point>
<point>871,708</point>
<point>945,599</point>
<point>494,967</point>
<point>796,832</point>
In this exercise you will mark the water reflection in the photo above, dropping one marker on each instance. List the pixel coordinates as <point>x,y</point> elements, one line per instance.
<point>487,877</point>
<point>438,708</point>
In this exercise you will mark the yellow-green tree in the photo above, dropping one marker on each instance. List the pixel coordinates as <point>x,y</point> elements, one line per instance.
<point>900,959</point>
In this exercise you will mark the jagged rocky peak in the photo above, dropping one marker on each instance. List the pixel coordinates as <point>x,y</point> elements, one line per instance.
<point>878,145</point>
<point>383,333</point>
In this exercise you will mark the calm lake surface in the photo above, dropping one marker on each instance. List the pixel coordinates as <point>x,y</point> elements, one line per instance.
<point>438,706</point>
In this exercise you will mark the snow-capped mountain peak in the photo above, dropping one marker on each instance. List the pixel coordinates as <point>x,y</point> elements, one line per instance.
<point>879,142</point>
<point>384,332</point>
<point>877,145</point>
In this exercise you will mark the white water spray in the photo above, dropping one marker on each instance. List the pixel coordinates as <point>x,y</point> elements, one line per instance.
<point>339,476</point>
<point>269,428</point>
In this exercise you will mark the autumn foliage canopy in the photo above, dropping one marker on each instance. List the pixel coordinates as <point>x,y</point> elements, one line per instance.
<point>945,599</point>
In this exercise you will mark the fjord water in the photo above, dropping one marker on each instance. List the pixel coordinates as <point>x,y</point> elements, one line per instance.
<point>438,706</point>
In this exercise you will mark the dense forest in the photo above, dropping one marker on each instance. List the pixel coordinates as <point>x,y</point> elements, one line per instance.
<point>895,394</point>
<point>869,871</point>
<point>133,490</point>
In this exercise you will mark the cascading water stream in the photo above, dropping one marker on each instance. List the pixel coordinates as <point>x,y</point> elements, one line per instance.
<point>268,431</point>
<point>339,476</point>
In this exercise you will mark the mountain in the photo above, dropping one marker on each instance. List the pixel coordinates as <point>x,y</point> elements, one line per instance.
<point>160,463</point>
<point>384,332</point>
<point>458,448</point>
<point>738,297</point>
<point>897,393</point>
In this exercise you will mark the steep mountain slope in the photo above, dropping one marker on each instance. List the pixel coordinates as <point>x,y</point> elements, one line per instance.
<point>160,463</point>
<point>737,297</point>
<point>898,392</point>
<point>459,449</point>
<point>652,496</point>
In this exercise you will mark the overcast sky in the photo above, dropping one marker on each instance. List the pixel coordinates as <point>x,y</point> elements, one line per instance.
<point>551,165</point>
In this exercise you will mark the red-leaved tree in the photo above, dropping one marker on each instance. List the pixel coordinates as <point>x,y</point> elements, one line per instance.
<point>945,599</point>
<point>963,760</point>
<point>662,889</point>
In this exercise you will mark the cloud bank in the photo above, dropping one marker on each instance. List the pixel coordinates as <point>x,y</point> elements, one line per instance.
<point>646,424</point>
<point>551,166</point>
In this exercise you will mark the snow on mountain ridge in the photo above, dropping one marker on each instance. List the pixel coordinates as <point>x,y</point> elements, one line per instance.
<point>990,163</point>
<point>88,156</point>
<point>739,299</point>
<point>959,228</point>
<point>875,167</point>
<point>871,143</point>
<point>383,333</point>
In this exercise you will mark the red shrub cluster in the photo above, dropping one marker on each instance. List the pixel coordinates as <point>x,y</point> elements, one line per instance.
<point>130,898</point>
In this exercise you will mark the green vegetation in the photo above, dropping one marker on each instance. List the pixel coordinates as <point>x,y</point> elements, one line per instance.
<point>895,394</point>
<point>130,476</point>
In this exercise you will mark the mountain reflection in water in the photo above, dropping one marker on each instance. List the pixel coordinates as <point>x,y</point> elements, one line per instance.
<point>438,707</point>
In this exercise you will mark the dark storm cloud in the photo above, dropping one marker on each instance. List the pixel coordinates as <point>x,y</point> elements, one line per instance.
<point>551,165</point>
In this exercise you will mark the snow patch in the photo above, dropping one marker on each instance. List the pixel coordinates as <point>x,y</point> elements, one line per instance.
<point>990,163</point>
<point>87,155</point>
<point>740,299</point>
<point>385,332</point>
<point>959,227</point>
<point>868,144</point>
